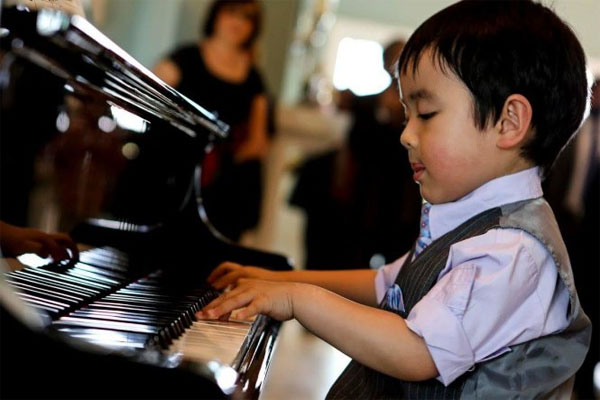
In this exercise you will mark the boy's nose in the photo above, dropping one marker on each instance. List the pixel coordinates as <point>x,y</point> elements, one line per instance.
<point>407,138</point>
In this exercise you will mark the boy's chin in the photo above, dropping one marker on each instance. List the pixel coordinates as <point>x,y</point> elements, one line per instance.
<point>427,195</point>
<point>437,197</point>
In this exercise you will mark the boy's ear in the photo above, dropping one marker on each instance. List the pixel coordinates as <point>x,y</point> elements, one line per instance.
<point>514,125</point>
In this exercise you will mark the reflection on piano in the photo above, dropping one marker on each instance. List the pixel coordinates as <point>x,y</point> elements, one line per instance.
<point>94,144</point>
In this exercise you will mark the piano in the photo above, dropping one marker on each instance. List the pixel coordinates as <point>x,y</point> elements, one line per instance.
<point>92,143</point>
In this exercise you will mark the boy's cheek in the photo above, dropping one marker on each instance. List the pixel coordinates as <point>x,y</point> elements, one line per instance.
<point>449,161</point>
<point>438,159</point>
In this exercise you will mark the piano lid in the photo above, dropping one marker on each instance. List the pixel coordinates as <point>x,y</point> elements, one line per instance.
<point>72,48</point>
<point>87,131</point>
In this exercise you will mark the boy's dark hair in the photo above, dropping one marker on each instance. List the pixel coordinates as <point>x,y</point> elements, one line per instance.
<point>498,48</point>
<point>218,5</point>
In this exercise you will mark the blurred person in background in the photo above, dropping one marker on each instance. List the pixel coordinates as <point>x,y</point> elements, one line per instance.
<point>362,206</point>
<point>586,249</point>
<point>218,73</point>
<point>572,188</point>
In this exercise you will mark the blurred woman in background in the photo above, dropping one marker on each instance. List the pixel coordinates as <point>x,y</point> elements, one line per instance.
<point>218,72</point>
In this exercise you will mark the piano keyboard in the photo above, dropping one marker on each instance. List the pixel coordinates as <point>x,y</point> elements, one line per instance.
<point>102,300</point>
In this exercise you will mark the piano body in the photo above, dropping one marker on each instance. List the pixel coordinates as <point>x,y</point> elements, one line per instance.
<point>94,144</point>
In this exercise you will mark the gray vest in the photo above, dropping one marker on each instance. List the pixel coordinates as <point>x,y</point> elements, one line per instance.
<point>543,367</point>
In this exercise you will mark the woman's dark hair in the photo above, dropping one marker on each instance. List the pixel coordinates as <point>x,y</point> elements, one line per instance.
<point>498,48</point>
<point>218,5</point>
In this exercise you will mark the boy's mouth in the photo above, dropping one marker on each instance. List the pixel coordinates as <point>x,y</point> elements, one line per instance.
<point>418,170</point>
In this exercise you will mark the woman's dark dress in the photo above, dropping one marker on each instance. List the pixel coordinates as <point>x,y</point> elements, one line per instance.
<point>231,191</point>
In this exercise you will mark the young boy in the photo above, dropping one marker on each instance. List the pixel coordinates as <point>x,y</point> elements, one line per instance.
<point>484,305</point>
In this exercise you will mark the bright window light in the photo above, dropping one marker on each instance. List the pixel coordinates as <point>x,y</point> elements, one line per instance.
<point>359,67</point>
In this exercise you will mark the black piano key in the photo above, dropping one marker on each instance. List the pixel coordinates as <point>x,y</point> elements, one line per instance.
<point>177,316</point>
<point>69,279</point>
<point>110,253</point>
<point>175,312</point>
<point>33,273</point>
<point>91,277</point>
<point>117,305</point>
<point>158,294</point>
<point>120,306</point>
<point>105,266</point>
<point>31,298</point>
<point>122,316</point>
<point>47,284</point>
<point>46,293</point>
<point>103,262</point>
<point>181,312</point>
<point>110,304</point>
<point>160,336</point>
<point>110,338</point>
<point>101,271</point>
<point>104,307</point>
<point>166,317</point>
<point>52,311</point>
<point>111,325</point>
<point>182,304</point>
<point>193,302</point>
<point>160,319</point>
<point>143,300</point>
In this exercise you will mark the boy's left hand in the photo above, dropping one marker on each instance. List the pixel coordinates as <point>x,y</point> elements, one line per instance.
<point>252,296</point>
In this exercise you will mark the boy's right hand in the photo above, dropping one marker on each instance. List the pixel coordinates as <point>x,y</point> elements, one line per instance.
<point>228,273</point>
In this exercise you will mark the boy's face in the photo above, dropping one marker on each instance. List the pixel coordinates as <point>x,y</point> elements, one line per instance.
<point>449,155</point>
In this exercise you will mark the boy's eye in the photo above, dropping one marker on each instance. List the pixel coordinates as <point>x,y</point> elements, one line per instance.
<point>427,116</point>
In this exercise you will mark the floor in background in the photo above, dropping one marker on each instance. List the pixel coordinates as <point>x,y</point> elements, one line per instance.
<point>303,367</point>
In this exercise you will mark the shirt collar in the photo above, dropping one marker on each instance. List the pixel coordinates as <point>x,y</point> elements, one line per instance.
<point>506,189</point>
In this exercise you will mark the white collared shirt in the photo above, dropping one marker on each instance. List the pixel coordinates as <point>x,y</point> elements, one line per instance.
<point>497,290</point>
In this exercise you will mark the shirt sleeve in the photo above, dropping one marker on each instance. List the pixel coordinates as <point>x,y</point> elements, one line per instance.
<point>386,276</point>
<point>181,56</point>
<point>256,85</point>
<point>497,290</point>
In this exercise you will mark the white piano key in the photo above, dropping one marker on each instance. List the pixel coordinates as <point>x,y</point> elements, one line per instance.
<point>212,340</point>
